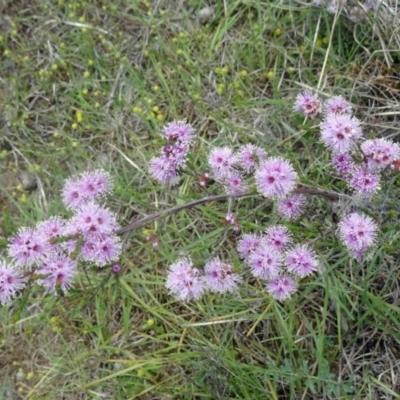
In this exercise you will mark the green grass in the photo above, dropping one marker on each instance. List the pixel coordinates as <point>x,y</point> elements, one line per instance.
<point>90,84</point>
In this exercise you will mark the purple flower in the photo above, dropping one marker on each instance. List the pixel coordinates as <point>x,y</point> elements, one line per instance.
<point>249,156</point>
<point>71,193</point>
<point>343,164</point>
<point>265,262</point>
<point>365,181</point>
<point>337,105</point>
<point>93,219</point>
<point>184,281</point>
<point>101,250</point>
<point>115,269</point>
<point>163,171</point>
<point>358,231</point>
<point>178,131</point>
<point>380,153</point>
<point>275,178</point>
<point>28,248</point>
<point>247,244</point>
<point>95,184</point>
<point>282,287</point>
<point>175,154</point>
<point>59,271</point>
<point>308,104</point>
<point>10,282</point>
<point>301,261</point>
<point>221,160</point>
<point>219,276</point>
<point>291,207</point>
<point>278,237</point>
<point>79,189</point>
<point>234,184</point>
<point>340,132</point>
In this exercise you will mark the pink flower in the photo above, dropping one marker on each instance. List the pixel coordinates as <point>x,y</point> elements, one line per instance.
<point>184,281</point>
<point>219,276</point>
<point>365,181</point>
<point>234,184</point>
<point>10,282</point>
<point>247,244</point>
<point>278,237</point>
<point>101,250</point>
<point>337,105</point>
<point>249,156</point>
<point>343,164</point>
<point>93,219</point>
<point>95,184</point>
<point>301,261</point>
<point>222,160</point>
<point>265,262</point>
<point>308,104</point>
<point>340,133</point>
<point>28,248</point>
<point>71,193</point>
<point>380,153</point>
<point>358,231</point>
<point>282,287</point>
<point>291,207</point>
<point>178,131</point>
<point>59,271</point>
<point>163,171</point>
<point>275,178</point>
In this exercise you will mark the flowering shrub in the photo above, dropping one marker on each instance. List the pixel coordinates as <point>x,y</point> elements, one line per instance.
<point>54,249</point>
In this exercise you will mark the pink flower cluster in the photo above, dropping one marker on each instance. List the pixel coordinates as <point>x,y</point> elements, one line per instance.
<point>275,177</point>
<point>188,283</point>
<point>272,256</point>
<point>360,163</point>
<point>55,246</point>
<point>165,168</point>
<point>230,168</point>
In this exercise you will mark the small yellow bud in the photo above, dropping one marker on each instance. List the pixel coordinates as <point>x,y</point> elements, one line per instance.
<point>270,74</point>
<point>74,144</point>
<point>74,125</point>
<point>160,117</point>
<point>220,89</point>
<point>278,32</point>
<point>86,74</point>
<point>179,52</point>
<point>81,19</point>
<point>97,105</point>
<point>156,108</point>
<point>6,52</point>
<point>54,67</point>
<point>85,91</point>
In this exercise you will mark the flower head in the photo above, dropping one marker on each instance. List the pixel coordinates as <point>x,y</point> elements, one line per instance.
<point>222,160</point>
<point>247,244</point>
<point>282,287</point>
<point>249,156</point>
<point>10,282</point>
<point>364,181</point>
<point>219,276</point>
<point>265,262</point>
<point>58,270</point>
<point>275,178</point>
<point>278,237</point>
<point>301,261</point>
<point>358,231</point>
<point>337,105</point>
<point>343,164</point>
<point>28,248</point>
<point>184,281</point>
<point>380,153</point>
<point>235,184</point>
<point>291,207</point>
<point>163,171</point>
<point>178,131</point>
<point>340,133</point>
<point>308,104</point>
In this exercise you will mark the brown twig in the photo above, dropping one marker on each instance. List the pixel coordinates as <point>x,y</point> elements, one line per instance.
<point>301,189</point>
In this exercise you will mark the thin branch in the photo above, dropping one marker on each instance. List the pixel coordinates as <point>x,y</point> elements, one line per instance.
<point>301,189</point>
